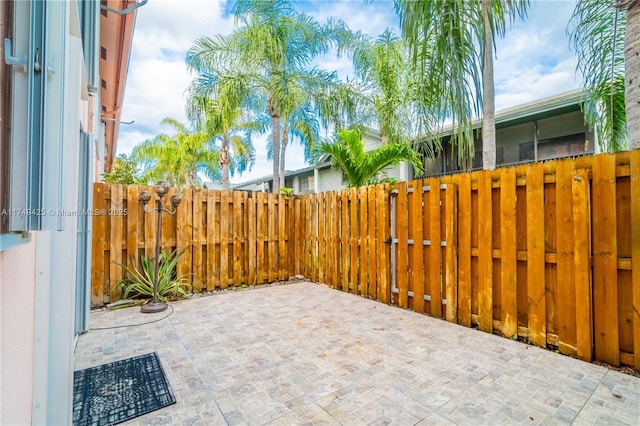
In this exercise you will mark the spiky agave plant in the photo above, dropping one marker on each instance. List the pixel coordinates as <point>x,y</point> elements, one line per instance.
<point>138,282</point>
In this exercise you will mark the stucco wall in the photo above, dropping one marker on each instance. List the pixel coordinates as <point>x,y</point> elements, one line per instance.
<point>329,180</point>
<point>17,313</point>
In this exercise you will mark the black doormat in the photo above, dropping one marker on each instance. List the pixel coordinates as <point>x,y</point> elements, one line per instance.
<point>122,390</point>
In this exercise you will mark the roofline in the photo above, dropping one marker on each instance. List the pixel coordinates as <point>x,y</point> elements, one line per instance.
<point>564,101</point>
<point>287,173</point>
<point>539,107</point>
<point>116,32</point>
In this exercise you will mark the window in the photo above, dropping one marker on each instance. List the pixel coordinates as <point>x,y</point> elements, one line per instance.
<point>307,184</point>
<point>526,152</point>
<point>21,147</point>
<point>477,159</point>
<point>563,146</point>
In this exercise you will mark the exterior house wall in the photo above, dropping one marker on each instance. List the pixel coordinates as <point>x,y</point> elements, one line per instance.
<point>330,179</point>
<point>510,137</point>
<point>38,279</point>
<point>39,289</point>
<point>17,316</point>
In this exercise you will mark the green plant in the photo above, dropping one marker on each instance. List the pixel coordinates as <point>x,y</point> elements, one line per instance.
<point>138,282</point>
<point>288,192</point>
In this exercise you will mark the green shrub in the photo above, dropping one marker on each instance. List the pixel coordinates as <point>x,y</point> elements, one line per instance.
<point>138,283</point>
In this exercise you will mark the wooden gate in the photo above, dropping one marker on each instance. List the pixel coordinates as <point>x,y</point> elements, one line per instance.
<point>423,247</point>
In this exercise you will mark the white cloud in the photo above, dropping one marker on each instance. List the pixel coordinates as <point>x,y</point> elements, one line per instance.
<point>158,77</point>
<point>534,60</point>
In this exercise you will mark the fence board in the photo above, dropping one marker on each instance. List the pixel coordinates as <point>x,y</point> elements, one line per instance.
<point>198,272</point>
<point>382,222</point>
<point>582,267</point>
<point>344,242</point>
<point>464,248</point>
<point>291,237</point>
<point>417,252</point>
<point>402,247</point>
<point>238,236</point>
<point>435,250</point>
<point>353,241</point>
<point>321,238</point>
<point>450,269</point>
<point>372,238</point>
<point>212,271</point>
<point>566,299</point>
<point>362,241</point>
<point>485,253</point>
<point>117,236</point>
<point>299,235</point>
<point>508,253</point>
<point>226,221</point>
<point>535,255</point>
<point>330,273</point>
<point>217,238</point>
<point>521,247</point>
<point>635,252</point>
<point>605,285</point>
<point>306,224</point>
<point>272,237</point>
<point>98,244</point>
<point>184,230</point>
<point>132,217</point>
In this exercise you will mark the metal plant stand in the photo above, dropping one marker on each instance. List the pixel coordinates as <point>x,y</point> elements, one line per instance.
<point>161,188</point>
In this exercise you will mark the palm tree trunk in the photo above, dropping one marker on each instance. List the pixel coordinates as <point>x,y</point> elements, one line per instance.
<point>191,179</point>
<point>276,153</point>
<point>224,161</point>
<point>632,73</point>
<point>283,149</point>
<point>488,98</point>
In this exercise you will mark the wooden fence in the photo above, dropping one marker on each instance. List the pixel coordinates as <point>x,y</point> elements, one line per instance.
<point>228,238</point>
<point>548,252</point>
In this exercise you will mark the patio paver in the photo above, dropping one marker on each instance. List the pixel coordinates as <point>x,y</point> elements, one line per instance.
<point>306,354</point>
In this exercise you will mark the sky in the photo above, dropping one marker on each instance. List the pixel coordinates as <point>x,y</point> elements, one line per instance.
<point>532,62</point>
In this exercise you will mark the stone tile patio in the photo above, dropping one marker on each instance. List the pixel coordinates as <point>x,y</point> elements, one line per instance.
<point>305,354</point>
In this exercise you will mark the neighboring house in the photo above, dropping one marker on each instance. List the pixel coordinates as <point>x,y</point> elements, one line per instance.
<point>63,76</point>
<point>548,128</point>
<point>302,181</point>
<point>322,177</point>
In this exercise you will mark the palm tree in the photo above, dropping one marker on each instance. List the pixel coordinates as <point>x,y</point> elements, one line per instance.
<point>632,65</point>
<point>605,43</point>
<point>360,167</point>
<point>385,95</point>
<point>223,120</point>
<point>269,55</point>
<point>443,36</point>
<point>178,159</point>
<point>124,171</point>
